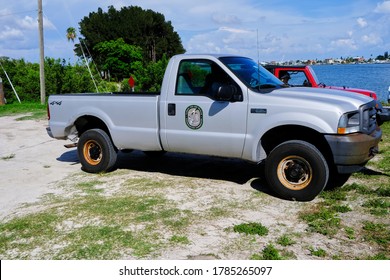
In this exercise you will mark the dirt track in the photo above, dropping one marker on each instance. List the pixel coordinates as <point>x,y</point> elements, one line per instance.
<point>29,162</point>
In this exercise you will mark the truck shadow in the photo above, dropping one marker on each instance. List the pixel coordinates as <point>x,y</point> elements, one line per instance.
<point>186,165</point>
<point>197,166</point>
<point>69,156</point>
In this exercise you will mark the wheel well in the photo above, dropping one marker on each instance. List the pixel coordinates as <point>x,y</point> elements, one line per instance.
<point>280,134</point>
<point>85,123</point>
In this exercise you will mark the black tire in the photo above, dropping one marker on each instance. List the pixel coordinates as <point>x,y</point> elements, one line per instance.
<point>96,151</point>
<point>296,170</point>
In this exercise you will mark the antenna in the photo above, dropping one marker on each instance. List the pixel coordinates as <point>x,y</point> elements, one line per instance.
<point>257,46</point>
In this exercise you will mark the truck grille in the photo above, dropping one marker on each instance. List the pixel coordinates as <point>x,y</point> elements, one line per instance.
<point>368,115</point>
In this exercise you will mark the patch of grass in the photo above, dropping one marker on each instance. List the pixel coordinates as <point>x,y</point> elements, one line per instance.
<point>217,212</point>
<point>360,189</point>
<point>34,110</point>
<point>89,187</point>
<point>96,242</point>
<point>95,227</point>
<point>251,228</point>
<point>285,240</point>
<point>321,253</point>
<point>350,233</point>
<point>376,232</point>
<point>145,184</point>
<point>322,220</point>
<point>341,208</point>
<point>268,253</point>
<point>378,206</point>
<point>337,194</point>
<point>379,256</point>
<point>383,191</point>
<point>179,239</point>
<point>27,232</point>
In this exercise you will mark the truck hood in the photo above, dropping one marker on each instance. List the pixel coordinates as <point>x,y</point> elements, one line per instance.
<point>367,92</point>
<point>323,96</point>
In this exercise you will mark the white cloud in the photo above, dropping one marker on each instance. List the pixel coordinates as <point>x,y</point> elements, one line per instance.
<point>345,43</point>
<point>383,7</point>
<point>362,22</point>
<point>27,23</point>
<point>234,30</point>
<point>9,33</point>
<point>372,39</point>
<point>225,19</point>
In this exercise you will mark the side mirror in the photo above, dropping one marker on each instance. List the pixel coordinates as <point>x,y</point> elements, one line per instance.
<point>226,92</point>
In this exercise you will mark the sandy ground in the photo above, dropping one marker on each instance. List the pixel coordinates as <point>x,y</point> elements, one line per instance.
<point>32,165</point>
<point>30,161</point>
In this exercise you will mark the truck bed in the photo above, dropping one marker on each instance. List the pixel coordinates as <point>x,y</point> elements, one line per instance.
<point>133,118</point>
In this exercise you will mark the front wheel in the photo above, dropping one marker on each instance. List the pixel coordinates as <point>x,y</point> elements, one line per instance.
<point>96,151</point>
<point>296,170</point>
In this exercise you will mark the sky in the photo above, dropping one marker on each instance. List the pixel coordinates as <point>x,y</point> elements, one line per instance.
<point>266,30</point>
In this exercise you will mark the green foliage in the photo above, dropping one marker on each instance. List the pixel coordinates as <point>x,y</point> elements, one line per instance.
<point>285,240</point>
<point>60,77</point>
<point>118,58</point>
<point>318,252</point>
<point>322,220</point>
<point>36,109</point>
<point>251,228</point>
<point>150,77</point>
<point>25,79</point>
<point>268,253</point>
<point>143,28</point>
<point>377,232</point>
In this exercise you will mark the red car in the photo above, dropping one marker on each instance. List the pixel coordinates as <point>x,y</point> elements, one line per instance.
<point>304,75</point>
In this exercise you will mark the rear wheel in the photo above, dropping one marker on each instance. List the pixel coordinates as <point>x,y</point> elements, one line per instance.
<point>296,170</point>
<point>96,151</point>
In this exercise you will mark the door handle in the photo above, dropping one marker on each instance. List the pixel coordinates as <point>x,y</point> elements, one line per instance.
<point>171,109</point>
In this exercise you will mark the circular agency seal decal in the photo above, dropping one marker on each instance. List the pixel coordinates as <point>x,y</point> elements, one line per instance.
<point>194,117</point>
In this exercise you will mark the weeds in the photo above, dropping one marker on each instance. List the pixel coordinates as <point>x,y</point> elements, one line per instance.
<point>268,253</point>
<point>251,228</point>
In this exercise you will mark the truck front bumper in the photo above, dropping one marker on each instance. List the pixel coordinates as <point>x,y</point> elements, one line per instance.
<point>351,152</point>
<point>383,115</point>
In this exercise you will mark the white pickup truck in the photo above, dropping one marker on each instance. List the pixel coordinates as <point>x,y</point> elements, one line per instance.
<point>227,106</point>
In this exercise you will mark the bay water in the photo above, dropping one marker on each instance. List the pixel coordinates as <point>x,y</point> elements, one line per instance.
<point>375,77</point>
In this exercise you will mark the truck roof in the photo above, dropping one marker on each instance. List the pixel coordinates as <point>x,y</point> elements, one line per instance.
<point>273,66</point>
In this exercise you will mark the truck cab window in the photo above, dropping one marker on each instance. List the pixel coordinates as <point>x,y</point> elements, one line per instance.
<point>201,77</point>
<point>297,78</point>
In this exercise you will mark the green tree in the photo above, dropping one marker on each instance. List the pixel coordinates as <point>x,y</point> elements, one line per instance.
<point>61,77</point>
<point>71,34</point>
<point>143,28</point>
<point>150,77</point>
<point>118,58</point>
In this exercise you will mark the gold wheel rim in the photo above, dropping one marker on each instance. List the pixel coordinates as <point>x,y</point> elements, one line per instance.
<point>92,152</point>
<point>294,172</point>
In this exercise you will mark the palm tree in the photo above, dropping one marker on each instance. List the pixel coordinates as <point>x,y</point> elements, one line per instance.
<point>71,34</point>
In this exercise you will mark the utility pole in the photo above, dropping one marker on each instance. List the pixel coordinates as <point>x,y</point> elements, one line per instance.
<point>2,101</point>
<point>42,54</point>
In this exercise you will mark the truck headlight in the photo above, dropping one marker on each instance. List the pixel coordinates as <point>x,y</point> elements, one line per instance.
<point>349,123</point>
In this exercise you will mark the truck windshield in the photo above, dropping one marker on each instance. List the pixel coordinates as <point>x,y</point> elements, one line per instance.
<point>251,74</point>
<point>313,75</point>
